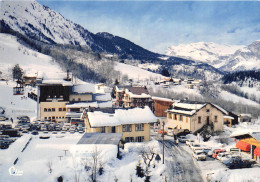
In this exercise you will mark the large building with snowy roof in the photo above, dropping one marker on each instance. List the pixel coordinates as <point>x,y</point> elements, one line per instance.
<point>133,123</point>
<point>193,116</point>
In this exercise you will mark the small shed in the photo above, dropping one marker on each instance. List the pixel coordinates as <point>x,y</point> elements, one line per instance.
<point>102,139</point>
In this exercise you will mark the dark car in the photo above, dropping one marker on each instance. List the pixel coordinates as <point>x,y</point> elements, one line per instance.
<point>35,132</point>
<point>24,118</point>
<point>234,163</point>
<point>3,145</point>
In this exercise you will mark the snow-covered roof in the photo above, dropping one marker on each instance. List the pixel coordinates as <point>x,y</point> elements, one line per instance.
<point>57,82</point>
<point>240,133</point>
<point>103,97</point>
<point>138,94</point>
<point>84,88</point>
<point>162,99</point>
<point>82,105</point>
<point>105,104</point>
<point>135,115</point>
<point>100,119</point>
<point>121,116</point>
<point>228,117</point>
<point>191,108</point>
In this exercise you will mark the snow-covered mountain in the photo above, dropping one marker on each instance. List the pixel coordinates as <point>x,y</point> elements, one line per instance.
<point>210,53</point>
<point>224,57</point>
<point>247,58</point>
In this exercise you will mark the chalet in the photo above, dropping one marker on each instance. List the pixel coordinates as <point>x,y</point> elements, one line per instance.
<point>245,118</point>
<point>130,96</point>
<point>248,142</point>
<point>161,105</point>
<point>137,97</point>
<point>193,116</point>
<point>133,123</point>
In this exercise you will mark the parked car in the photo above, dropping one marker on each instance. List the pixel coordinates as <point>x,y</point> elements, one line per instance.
<point>199,155</point>
<point>35,132</point>
<point>183,139</point>
<point>222,156</point>
<point>206,150</point>
<point>238,163</point>
<point>216,152</point>
<point>161,131</point>
<point>195,146</point>
<point>3,144</point>
<point>189,142</point>
<point>3,118</point>
<point>23,118</point>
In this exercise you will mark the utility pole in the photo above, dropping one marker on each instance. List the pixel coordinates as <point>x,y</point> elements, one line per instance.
<point>163,141</point>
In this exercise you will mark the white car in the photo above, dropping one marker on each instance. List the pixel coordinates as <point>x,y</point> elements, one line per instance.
<point>189,142</point>
<point>199,155</point>
<point>195,146</point>
<point>223,156</point>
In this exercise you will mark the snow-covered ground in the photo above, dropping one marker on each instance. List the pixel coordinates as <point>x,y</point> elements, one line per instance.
<point>33,161</point>
<point>16,105</point>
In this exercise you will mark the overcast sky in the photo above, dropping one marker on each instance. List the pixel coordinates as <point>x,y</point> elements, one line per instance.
<point>156,25</point>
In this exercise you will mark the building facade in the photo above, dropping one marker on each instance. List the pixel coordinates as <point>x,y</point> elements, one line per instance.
<point>134,123</point>
<point>194,115</point>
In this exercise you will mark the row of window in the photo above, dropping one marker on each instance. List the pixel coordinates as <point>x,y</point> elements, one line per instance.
<point>54,109</point>
<point>181,118</point>
<point>136,139</point>
<point>53,117</point>
<point>128,127</point>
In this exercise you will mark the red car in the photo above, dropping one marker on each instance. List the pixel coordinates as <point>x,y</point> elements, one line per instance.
<point>161,131</point>
<point>216,152</point>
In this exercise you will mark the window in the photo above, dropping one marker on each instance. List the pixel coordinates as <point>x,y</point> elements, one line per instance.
<point>139,127</point>
<point>199,119</point>
<point>103,129</point>
<point>129,139</point>
<point>139,138</point>
<point>49,110</point>
<point>45,110</point>
<point>53,117</point>
<point>175,116</point>
<point>45,117</point>
<point>53,109</point>
<point>216,118</point>
<point>49,118</point>
<point>64,109</point>
<point>207,110</point>
<point>181,118</point>
<point>60,109</point>
<point>79,99</point>
<point>127,128</point>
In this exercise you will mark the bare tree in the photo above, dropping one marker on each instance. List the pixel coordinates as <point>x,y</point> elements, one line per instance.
<point>95,158</point>
<point>148,155</point>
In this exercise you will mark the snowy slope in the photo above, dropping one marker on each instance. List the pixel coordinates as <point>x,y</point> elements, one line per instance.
<point>12,52</point>
<point>136,73</point>
<point>210,53</point>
